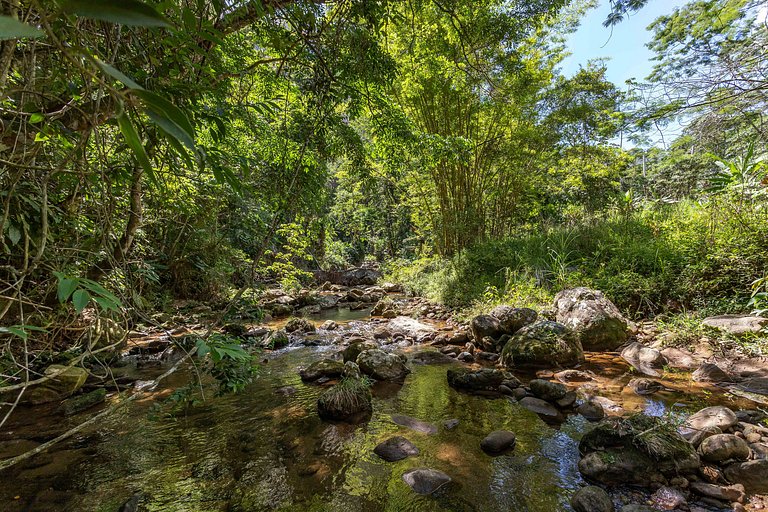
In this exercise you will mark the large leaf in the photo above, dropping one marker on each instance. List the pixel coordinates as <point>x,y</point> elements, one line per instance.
<point>125,12</point>
<point>131,136</point>
<point>116,74</point>
<point>169,117</point>
<point>80,299</point>
<point>11,28</point>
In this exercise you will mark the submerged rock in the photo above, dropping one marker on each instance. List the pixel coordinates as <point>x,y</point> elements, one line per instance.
<point>591,499</point>
<point>544,343</point>
<point>498,442</point>
<point>645,387</point>
<point>425,480</point>
<point>540,407</point>
<point>591,410</point>
<point>598,323</point>
<point>396,448</point>
<point>414,424</point>
<point>84,402</point>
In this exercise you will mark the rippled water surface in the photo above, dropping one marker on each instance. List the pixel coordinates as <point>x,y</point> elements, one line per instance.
<point>266,449</point>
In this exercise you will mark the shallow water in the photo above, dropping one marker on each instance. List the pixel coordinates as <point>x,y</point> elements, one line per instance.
<point>266,449</point>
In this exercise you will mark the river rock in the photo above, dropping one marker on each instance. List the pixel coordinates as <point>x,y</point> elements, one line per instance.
<point>396,448</point>
<point>540,407</point>
<point>721,447</point>
<point>431,357</point>
<point>66,382</point>
<point>301,325</point>
<point>357,346</point>
<point>498,442</point>
<point>569,376</point>
<point>546,390</point>
<point>350,400</point>
<point>83,402</point>
<point>759,450</point>
<point>715,416</point>
<point>668,498</point>
<point>485,325</point>
<point>329,325</point>
<point>591,410</point>
<point>736,325</point>
<point>646,360</point>
<point>485,379</point>
<point>276,340</point>
<point>634,450</point>
<point>719,492</point>
<point>513,319</point>
<point>710,372</point>
<point>380,365</point>
<point>637,507</point>
<point>598,323</point>
<point>591,499</point>
<point>753,475</point>
<point>644,387</point>
<point>542,344</point>
<point>327,368</point>
<point>425,480</point>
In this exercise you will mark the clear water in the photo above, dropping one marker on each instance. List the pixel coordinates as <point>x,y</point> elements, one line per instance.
<point>266,449</point>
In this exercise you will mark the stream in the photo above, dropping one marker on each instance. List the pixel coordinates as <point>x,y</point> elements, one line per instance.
<point>267,449</point>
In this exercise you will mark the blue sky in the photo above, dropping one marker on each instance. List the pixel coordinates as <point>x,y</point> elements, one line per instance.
<point>624,45</point>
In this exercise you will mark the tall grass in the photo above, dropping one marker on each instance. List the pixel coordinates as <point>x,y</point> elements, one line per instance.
<point>655,259</point>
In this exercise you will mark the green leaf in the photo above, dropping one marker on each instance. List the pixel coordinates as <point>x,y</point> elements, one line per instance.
<point>14,234</point>
<point>116,74</point>
<point>80,299</point>
<point>169,117</point>
<point>125,12</point>
<point>67,285</point>
<point>11,28</point>
<point>131,136</point>
<point>35,118</point>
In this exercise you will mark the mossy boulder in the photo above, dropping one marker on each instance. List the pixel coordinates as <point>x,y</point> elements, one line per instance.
<point>354,349</point>
<point>349,400</point>
<point>325,368</point>
<point>543,344</point>
<point>381,365</point>
<point>66,382</point>
<point>596,320</point>
<point>301,325</point>
<point>635,450</point>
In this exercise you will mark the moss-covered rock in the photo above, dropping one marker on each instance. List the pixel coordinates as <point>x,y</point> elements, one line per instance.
<point>327,368</point>
<point>543,344</point>
<point>349,400</point>
<point>66,382</point>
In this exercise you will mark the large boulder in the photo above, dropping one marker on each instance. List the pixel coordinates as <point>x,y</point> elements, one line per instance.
<point>635,450</point>
<point>485,379</point>
<point>64,382</point>
<point>596,320</point>
<point>543,344</point>
<point>646,360</point>
<point>722,447</point>
<point>736,325</point>
<point>512,319</point>
<point>380,365</point>
<point>355,348</point>
<point>753,475</point>
<point>546,390</point>
<point>301,325</point>
<point>325,368</point>
<point>485,326</point>
<point>349,400</point>
<point>717,416</point>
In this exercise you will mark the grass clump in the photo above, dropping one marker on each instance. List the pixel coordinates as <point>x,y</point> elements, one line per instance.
<point>348,400</point>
